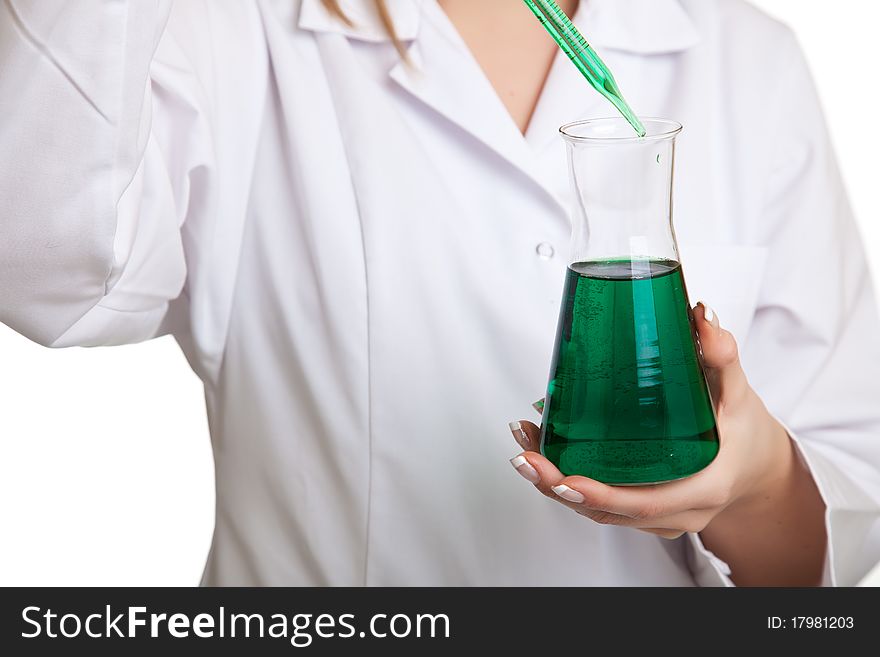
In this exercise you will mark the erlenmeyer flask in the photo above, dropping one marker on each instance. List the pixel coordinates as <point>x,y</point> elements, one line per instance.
<point>627,401</point>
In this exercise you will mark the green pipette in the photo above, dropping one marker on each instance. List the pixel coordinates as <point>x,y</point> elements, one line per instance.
<point>573,44</point>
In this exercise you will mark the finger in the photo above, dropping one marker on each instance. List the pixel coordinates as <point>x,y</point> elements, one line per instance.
<point>634,502</point>
<point>720,357</point>
<point>705,490</point>
<point>602,517</point>
<point>547,478</point>
<point>525,469</point>
<point>539,406</point>
<point>549,474</point>
<point>688,521</point>
<point>669,534</point>
<point>526,434</point>
<point>539,471</point>
<point>533,431</point>
<point>692,520</point>
<point>520,435</point>
<point>548,482</point>
<point>671,527</point>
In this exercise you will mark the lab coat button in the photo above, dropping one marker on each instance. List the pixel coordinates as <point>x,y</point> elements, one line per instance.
<point>545,250</point>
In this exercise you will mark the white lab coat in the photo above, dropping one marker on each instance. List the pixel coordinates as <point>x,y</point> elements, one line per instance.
<point>355,255</point>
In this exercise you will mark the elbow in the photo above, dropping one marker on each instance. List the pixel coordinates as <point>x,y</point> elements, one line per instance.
<point>41,324</point>
<point>42,303</point>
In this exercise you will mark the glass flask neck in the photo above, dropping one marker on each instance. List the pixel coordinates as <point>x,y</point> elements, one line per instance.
<point>622,188</point>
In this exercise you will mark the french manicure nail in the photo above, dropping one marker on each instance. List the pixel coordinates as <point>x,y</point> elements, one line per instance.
<point>569,494</point>
<point>520,436</point>
<point>525,468</point>
<point>710,315</point>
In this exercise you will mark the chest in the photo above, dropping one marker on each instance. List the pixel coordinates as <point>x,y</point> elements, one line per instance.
<point>399,205</point>
<point>510,47</point>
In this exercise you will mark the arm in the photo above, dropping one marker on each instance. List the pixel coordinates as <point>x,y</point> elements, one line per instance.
<point>772,531</point>
<point>776,535</point>
<point>90,247</point>
<point>756,505</point>
<point>812,353</point>
<point>792,504</point>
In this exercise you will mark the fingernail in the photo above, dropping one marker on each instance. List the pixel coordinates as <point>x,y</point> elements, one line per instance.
<point>567,493</point>
<point>520,436</point>
<point>710,315</point>
<point>539,405</point>
<point>525,468</point>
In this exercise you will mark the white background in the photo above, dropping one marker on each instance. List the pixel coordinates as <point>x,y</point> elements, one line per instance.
<point>105,462</point>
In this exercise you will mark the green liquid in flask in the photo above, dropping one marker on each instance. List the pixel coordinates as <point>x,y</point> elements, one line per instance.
<point>627,401</point>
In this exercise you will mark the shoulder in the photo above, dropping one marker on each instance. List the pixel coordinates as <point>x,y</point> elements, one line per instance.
<point>740,27</point>
<point>191,18</point>
<point>735,16</point>
<point>210,37</point>
<point>758,57</point>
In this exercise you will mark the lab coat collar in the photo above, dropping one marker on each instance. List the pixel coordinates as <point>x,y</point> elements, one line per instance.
<point>435,71</point>
<point>642,27</point>
<point>645,27</point>
<point>442,74</point>
<point>366,25</point>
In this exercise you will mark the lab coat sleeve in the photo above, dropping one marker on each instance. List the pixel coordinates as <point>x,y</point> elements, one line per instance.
<point>812,353</point>
<point>90,210</point>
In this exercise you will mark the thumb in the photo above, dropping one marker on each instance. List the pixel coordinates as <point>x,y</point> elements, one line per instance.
<point>720,357</point>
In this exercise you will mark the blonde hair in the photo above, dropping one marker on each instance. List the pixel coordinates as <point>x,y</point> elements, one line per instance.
<point>334,8</point>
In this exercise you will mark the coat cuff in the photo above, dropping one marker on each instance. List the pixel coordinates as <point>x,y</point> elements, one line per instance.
<point>706,568</point>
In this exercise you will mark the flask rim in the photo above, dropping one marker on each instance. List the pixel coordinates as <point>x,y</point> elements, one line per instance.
<point>617,130</point>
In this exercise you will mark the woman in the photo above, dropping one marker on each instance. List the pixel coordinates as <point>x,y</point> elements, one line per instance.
<point>361,255</point>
